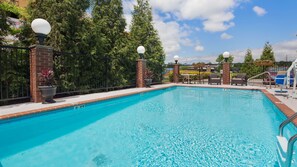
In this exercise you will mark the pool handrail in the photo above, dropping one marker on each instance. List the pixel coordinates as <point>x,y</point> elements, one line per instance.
<point>292,140</point>
<point>286,122</point>
<point>291,143</point>
<point>266,72</point>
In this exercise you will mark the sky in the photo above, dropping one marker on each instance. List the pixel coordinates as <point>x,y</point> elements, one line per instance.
<point>200,30</point>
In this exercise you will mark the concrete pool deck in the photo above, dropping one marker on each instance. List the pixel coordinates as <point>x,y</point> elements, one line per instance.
<point>289,105</point>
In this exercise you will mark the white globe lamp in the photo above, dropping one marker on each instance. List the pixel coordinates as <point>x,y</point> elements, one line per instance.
<point>141,51</point>
<point>176,57</point>
<point>226,55</point>
<point>42,28</point>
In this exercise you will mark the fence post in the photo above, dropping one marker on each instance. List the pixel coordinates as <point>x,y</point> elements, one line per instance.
<point>41,57</point>
<point>175,73</point>
<point>140,70</point>
<point>226,73</point>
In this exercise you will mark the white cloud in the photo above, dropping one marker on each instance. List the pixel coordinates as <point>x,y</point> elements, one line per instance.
<point>226,36</point>
<point>166,30</point>
<point>213,26</point>
<point>259,11</point>
<point>170,42</point>
<point>215,15</point>
<point>186,42</point>
<point>199,48</point>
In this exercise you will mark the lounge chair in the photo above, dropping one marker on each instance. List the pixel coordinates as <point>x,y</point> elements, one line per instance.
<point>214,78</point>
<point>239,79</point>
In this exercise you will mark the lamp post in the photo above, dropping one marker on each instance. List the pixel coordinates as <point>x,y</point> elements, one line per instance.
<point>41,27</point>
<point>176,69</point>
<point>140,68</point>
<point>226,56</point>
<point>41,58</point>
<point>141,51</point>
<point>226,69</point>
<point>176,57</point>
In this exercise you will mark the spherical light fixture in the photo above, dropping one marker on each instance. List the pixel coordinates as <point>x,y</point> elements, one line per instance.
<point>141,51</point>
<point>226,55</point>
<point>41,27</point>
<point>176,57</point>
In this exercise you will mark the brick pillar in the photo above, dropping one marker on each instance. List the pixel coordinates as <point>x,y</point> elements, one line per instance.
<point>41,57</point>
<point>175,73</point>
<point>140,69</point>
<point>226,73</point>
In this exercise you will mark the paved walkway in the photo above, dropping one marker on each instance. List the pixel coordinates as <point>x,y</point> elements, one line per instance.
<point>28,108</point>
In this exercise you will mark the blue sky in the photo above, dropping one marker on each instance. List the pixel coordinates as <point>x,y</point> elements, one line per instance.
<point>199,30</point>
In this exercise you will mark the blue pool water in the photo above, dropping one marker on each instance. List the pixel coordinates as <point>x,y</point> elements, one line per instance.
<point>179,126</point>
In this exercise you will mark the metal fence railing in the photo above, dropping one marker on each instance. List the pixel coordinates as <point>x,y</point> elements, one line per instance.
<point>14,74</point>
<point>158,72</point>
<point>78,73</point>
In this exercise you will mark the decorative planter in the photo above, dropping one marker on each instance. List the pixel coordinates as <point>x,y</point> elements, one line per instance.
<point>48,92</point>
<point>148,82</point>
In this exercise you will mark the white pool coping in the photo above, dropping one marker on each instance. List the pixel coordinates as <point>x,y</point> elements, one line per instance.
<point>73,100</point>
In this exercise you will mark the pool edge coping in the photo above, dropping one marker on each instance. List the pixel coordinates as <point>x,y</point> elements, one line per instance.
<point>51,108</point>
<point>287,111</point>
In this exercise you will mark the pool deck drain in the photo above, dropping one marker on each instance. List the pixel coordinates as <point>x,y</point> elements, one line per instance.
<point>287,105</point>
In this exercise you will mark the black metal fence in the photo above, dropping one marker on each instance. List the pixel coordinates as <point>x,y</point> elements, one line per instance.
<point>74,73</point>
<point>83,73</point>
<point>158,71</point>
<point>14,74</point>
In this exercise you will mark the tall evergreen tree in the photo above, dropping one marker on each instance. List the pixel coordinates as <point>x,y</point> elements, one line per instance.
<point>248,66</point>
<point>267,53</point>
<point>109,26</point>
<point>144,33</point>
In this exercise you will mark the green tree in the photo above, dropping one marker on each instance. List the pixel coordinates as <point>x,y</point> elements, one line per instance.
<point>109,26</point>
<point>248,66</point>
<point>267,53</point>
<point>144,33</point>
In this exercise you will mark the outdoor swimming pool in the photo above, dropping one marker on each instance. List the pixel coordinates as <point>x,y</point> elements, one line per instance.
<point>178,126</point>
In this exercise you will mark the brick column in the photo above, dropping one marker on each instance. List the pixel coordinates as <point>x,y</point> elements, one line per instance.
<point>226,73</point>
<point>175,73</point>
<point>41,57</point>
<point>140,70</point>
